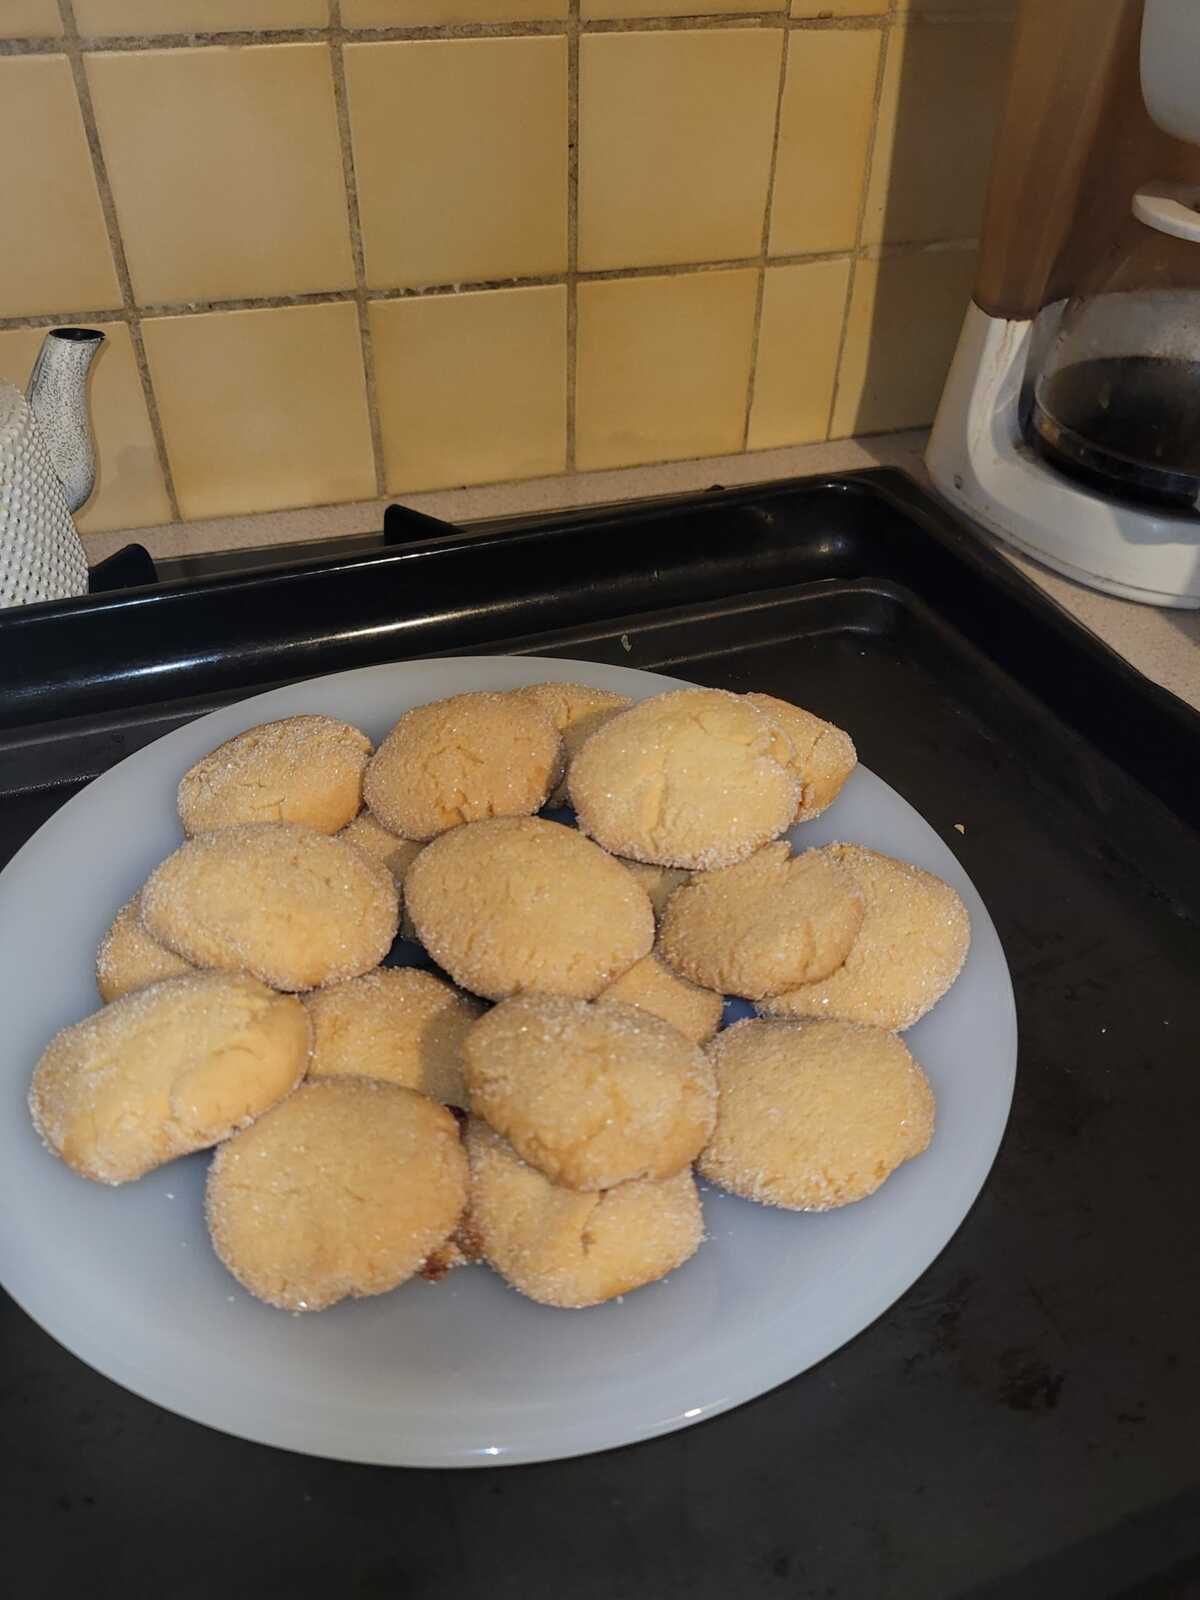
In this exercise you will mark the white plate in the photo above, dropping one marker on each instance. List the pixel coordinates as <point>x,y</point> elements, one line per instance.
<point>465,1373</point>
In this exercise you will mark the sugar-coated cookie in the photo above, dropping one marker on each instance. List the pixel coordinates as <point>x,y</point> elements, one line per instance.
<point>367,833</point>
<point>813,1115</point>
<point>576,710</point>
<point>911,946</point>
<point>305,769</point>
<point>292,906</point>
<point>461,760</point>
<point>650,985</point>
<point>397,1024</point>
<point>591,1095</point>
<point>345,1189</point>
<point>128,958</point>
<point>165,1070</point>
<point>519,903</point>
<point>822,755</point>
<point>692,778</point>
<point>766,925</point>
<point>564,1248</point>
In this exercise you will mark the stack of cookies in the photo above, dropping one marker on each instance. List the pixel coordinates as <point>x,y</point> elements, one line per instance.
<point>542,1103</point>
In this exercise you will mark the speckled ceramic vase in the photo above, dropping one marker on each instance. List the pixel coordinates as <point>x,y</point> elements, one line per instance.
<point>47,469</point>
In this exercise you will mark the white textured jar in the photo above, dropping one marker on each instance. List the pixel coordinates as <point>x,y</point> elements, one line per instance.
<point>41,555</point>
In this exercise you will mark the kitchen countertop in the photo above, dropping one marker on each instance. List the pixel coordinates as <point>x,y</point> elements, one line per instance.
<point>1160,642</point>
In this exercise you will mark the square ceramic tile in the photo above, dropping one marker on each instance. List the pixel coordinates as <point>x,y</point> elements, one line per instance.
<point>838,8</point>
<point>798,340</point>
<point>943,85</point>
<point>225,169</point>
<point>675,132</point>
<point>824,139</point>
<point>29,19</point>
<point>56,254</point>
<point>100,18</point>
<point>956,5</point>
<point>263,409</point>
<point>663,367</point>
<point>460,147</point>
<point>129,491</point>
<point>432,13</point>
<point>472,387</point>
<point>905,315</point>
<point>599,10</point>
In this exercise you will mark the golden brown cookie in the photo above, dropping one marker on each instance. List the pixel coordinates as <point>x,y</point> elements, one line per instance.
<point>292,906</point>
<point>303,769</point>
<point>651,986</point>
<point>397,1024</point>
<point>692,778</point>
<point>591,1095</point>
<point>168,1069</point>
<point>461,760</point>
<point>823,755</point>
<point>345,1189</point>
<point>766,925</point>
<point>813,1115</point>
<point>911,946</point>
<point>576,710</point>
<point>519,903</point>
<point>129,959</point>
<point>369,834</point>
<point>660,883</point>
<point>563,1248</point>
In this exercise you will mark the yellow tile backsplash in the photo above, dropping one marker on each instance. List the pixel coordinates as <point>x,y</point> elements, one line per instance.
<point>101,18</point>
<point>472,387</point>
<point>824,139</point>
<point>263,409</point>
<point>469,137</point>
<point>905,315</point>
<point>798,343</point>
<point>29,19</point>
<point>663,367</point>
<point>942,86</point>
<point>226,170</point>
<point>675,133</point>
<point>56,251</point>
<point>424,243</point>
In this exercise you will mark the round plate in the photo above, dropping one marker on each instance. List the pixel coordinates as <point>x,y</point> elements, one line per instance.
<point>467,1372</point>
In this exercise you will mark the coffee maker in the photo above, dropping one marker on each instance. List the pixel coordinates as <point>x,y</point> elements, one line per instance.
<point>1069,426</point>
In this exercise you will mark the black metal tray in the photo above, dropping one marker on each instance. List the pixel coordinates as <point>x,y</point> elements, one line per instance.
<point>1022,1422</point>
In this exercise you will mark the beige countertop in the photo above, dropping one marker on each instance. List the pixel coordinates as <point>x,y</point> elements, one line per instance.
<point>1164,644</point>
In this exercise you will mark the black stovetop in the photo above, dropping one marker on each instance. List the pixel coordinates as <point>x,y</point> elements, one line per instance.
<point>1022,1422</point>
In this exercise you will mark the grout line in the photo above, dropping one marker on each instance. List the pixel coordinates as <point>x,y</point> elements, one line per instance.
<point>760,293</point>
<point>573,30</point>
<point>885,44</point>
<point>112,225</point>
<point>346,143</point>
<point>159,312</point>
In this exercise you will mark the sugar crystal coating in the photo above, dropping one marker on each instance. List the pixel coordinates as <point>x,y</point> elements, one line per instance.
<point>651,986</point>
<point>911,947</point>
<point>463,759</point>
<point>814,1115</point>
<point>294,907</point>
<point>347,1188</point>
<point>765,925</point>
<point>563,1248</point>
<point>165,1070</point>
<point>822,755</point>
<point>576,710</point>
<point>519,903</point>
<point>128,958</point>
<point>305,769</point>
<point>693,778</point>
<point>591,1095</point>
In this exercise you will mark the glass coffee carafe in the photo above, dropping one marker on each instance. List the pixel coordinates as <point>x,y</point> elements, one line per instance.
<point>1117,400</point>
